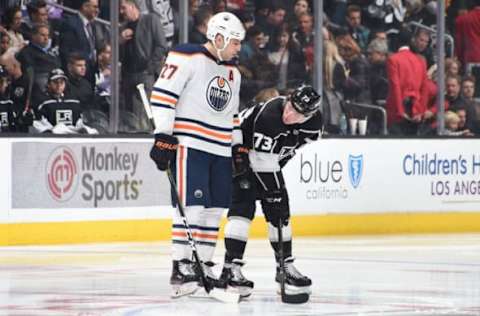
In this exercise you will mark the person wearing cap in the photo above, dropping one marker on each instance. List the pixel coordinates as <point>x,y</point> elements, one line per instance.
<point>195,104</point>
<point>55,107</point>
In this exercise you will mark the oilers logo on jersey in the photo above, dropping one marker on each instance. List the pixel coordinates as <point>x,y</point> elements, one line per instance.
<point>218,93</point>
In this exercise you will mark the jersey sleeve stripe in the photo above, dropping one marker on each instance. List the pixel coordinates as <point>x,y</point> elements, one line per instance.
<point>167,92</point>
<point>203,131</point>
<point>161,105</point>
<point>163,99</point>
<point>209,126</point>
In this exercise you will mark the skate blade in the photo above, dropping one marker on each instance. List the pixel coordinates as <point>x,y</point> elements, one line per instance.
<point>294,290</point>
<point>243,291</point>
<point>184,289</point>
<point>218,294</point>
<point>224,296</point>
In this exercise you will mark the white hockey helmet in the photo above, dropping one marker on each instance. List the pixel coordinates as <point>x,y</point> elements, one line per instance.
<point>227,25</point>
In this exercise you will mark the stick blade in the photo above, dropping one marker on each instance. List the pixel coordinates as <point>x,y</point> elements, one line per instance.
<point>224,296</point>
<point>295,298</point>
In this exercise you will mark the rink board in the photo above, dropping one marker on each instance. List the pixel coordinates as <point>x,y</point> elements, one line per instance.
<point>72,190</point>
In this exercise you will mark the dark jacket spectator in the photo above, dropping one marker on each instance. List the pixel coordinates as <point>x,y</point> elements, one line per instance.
<point>200,21</point>
<point>82,34</point>
<point>39,56</point>
<point>77,86</point>
<point>142,51</point>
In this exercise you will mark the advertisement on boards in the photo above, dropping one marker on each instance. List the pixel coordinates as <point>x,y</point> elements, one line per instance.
<point>373,175</point>
<point>85,175</point>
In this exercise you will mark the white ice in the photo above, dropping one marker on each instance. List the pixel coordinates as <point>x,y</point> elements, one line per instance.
<point>376,275</point>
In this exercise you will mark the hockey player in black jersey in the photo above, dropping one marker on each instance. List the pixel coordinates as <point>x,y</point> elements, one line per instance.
<point>272,131</point>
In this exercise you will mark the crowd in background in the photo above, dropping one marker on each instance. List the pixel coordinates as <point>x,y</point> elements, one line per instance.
<point>379,53</point>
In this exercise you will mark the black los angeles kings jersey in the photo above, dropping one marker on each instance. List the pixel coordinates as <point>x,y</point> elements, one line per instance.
<point>272,143</point>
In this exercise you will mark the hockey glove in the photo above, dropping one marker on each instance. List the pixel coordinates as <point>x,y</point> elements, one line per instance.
<point>241,163</point>
<point>275,207</point>
<point>164,150</point>
<point>241,166</point>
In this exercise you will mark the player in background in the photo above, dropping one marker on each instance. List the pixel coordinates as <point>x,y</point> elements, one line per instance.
<point>272,131</point>
<point>195,104</point>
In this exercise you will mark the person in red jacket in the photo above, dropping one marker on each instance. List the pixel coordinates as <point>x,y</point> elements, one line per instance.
<point>407,89</point>
<point>467,36</point>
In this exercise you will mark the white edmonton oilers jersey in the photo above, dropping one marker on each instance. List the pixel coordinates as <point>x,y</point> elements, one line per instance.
<point>196,99</point>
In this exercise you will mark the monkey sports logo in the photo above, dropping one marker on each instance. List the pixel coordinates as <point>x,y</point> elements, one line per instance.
<point>62,174</point>
<point>218,93</point>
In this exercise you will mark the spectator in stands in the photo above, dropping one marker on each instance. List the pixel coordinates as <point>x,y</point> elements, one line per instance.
<point>355,87</point>
<point>467,36</point>
<point>421,45</point>
<point>7,113</point>
<point>55,107</point>
<point>453,97</point>
<point>453,125</point>
<point>407,91</point>
<point>468,89</point>
<point>199,33</point>
<point>103,78</point>
<point>38,14</point>
<point>78,87</point>
<point>334,73</point>
<point>39,55</point>
<point>377,56</point>
<point>300,7</point>
<point>12,22</point>
<point>218,6</point>
<point>82,34</point>
<point>266,94</point>
<point>254,42</point>
<point>142,48</point>
<point>256,69</point>
<point>273,22</point>
<point>304,36</point>
<point>355,28</point>
<point>164,10</point>
<point>288,59</point>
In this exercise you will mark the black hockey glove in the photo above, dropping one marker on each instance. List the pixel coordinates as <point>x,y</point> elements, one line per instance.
<point>275,207</point>
<point>25,118</point>
<point>241,163</point>
<point>241,167</point>
<point>164,150</point>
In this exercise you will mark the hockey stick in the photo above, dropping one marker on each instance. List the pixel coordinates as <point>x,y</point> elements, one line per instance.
<point>30,77</point>
<point>287,298</point>
<point>221,295</point>
<point>146,103</point>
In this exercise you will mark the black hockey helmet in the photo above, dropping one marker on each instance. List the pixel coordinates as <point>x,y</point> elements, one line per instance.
<point>305,100</point>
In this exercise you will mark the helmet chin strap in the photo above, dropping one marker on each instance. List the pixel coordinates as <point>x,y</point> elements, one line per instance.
<point>218,50</point>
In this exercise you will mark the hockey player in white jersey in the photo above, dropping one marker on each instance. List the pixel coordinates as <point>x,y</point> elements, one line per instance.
<point>195,104</point>
<point>272,131</point>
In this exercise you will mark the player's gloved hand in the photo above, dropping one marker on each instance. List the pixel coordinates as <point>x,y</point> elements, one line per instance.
<point>241,166</point>
<point>26,118</point>
<point>276,207</point>
<point>164,150</point>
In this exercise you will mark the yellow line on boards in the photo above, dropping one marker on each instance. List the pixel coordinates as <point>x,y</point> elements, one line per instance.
<point>303,225</point>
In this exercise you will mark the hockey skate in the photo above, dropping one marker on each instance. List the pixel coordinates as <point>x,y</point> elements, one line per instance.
<point>232,278</point>
<point>183,280</point>
<point>295,282</point>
